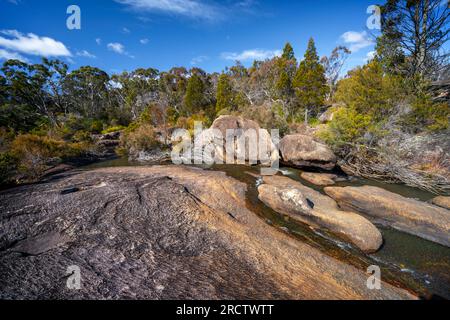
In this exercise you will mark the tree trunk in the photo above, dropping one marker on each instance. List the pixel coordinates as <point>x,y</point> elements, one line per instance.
<point>306,116</point>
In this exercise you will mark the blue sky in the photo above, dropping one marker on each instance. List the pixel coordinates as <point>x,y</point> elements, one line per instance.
<point>118,35</point>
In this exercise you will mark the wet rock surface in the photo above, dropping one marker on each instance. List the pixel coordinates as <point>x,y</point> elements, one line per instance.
<point>160,232</point>
<point>319,179</point>
<point>408,215</point>
<point>302,151</point>
<point>306,205</point>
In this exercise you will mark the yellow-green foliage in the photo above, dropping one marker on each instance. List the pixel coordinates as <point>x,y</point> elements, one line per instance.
<point>370,97</point>
<point>348,126</point>
<point>188,123</point>
<point>36,153</point>
<point>368,90</point>
<point>432,116</point>
<point>113,129</point>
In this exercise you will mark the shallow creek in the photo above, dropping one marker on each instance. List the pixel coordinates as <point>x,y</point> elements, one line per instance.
<point>405,260</point>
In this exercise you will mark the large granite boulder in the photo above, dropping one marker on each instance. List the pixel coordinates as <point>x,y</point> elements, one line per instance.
<point>408,215</point>
<point>306,205</point>
<point>302,151</point>
<point>266,151</point>
<point>161,232</point>
<point>210,146</point>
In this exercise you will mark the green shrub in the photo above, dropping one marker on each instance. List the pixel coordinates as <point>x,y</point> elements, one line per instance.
<point>71,126</point>
<point>368,90</point>
<point>8,166</point>
<point>427,114</point>
<point>20,118</point>
<point>96,126</point>
<point>6,137</point>
<point>81,136</point>
<point>347,126</point>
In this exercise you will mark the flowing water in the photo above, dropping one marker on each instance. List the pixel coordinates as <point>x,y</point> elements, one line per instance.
<point>406,261</point>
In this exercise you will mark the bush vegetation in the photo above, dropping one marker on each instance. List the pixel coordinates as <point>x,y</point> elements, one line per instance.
<point>50,114</point>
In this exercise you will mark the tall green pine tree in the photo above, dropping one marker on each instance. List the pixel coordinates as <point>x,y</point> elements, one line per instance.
<point>310,82</point>
<point>195,95</point>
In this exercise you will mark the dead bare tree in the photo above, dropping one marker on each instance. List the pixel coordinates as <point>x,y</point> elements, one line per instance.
<point>420,28</point>
<point>333,67</point>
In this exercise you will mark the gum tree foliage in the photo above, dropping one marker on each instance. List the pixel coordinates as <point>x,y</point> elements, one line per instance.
<point>172,88</point>
<point>333,67</point>
<point>136,90</point>
<point>88,90</point>
<point>25,86</point>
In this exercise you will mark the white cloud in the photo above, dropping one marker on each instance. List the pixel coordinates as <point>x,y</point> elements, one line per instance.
<point>32,44</point>
<point>198,60</point>
<point>4,54</point>
<point>116,47</point>
<point>98,41</point>
<point>255,54</point>
<point>370,55</point>
<point>86,54</point>
<point>16,2</point>
<point>144,41</point>
<point>126,30</point>
<point>188,8</point>
<point>357,40</point>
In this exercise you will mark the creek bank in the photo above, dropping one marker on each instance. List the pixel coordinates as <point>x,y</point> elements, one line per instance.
<point>408,215</point>
<point>104,149</point>
<point>160,232</point>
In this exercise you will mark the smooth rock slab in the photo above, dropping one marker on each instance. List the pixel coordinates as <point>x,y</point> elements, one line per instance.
<point>319,179</point>
<point>442,201</point>
<point>306,205</point>
<point>40,244</point>
<point>408,215</point>
<point>161,232</point>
